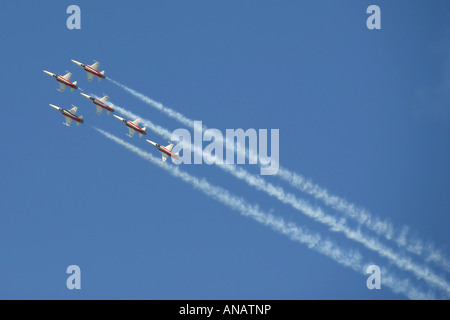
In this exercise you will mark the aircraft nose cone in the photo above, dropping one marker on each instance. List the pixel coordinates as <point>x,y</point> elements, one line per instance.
<point>77,63</point>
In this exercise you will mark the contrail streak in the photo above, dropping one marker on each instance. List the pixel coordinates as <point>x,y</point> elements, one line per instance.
<point>317,214</point>
<point>365,218</point>
<point>347,258</point>
<point>360,215</point>
<point>171,113</point>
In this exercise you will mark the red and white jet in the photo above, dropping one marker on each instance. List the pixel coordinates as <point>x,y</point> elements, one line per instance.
<point>100,103</point>
<point>133,126</point>
<point>69,115</point>
<point>63,81</point>
<point>91,70</point>
<point>165,151</point>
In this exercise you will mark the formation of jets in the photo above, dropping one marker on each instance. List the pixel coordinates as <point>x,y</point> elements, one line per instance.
<point>101,103</point>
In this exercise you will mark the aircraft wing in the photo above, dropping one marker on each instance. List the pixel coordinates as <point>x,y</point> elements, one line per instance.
<point>67,76</point>
<point>131,132</point>
<point>90,76</point>
<point>104,99</point>
<point>164,156</point>
<point>62,87</point>
<point>99,109</point>
<point>137,121</point>
<point>169,147</point>
<point>95,65</point>
<point>73,110</point>
<point>68,120</point>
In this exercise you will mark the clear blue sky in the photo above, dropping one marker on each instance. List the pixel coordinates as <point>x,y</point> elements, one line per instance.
<point>363,113</point>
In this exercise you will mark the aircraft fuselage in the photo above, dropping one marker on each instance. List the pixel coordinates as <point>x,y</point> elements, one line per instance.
<point>165,151</point>
<point>135,127</point>
<point>66,82</point>
<point>93,71</point>
<point>69,114</point>
<point>103,105</point>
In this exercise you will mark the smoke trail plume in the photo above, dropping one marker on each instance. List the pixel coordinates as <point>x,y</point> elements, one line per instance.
<point>350,210</point>
<point>336,225</point>
<point>315,241</point>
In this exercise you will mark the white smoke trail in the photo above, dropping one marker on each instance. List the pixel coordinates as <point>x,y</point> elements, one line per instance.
<point>347,258</point>
<point>361,215</point>
<point>171,113</point>
<point>401,261</point>
<point>365,218</point>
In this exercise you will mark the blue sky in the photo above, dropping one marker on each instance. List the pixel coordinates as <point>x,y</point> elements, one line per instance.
<point>362,113</point>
